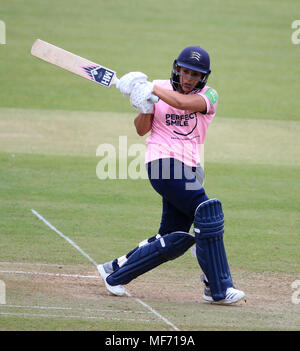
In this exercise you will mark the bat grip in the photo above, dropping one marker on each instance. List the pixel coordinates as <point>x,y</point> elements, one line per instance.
<point>154,98</point>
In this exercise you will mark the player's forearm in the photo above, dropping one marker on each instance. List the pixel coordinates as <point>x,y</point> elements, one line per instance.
<point>143,123</point>
<point>180,101</point>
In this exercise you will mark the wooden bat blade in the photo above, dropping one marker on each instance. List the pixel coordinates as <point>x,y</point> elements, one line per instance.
<point>73,63</point>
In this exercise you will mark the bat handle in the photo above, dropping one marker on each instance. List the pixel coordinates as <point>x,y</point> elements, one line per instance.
<point>153,98</point>
<point>116,81</point>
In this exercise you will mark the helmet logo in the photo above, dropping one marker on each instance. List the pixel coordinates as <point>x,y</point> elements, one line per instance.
<point>195,55</point>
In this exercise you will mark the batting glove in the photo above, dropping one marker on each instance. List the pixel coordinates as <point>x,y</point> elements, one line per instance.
<point>141,97</point>
<point>129,80</point>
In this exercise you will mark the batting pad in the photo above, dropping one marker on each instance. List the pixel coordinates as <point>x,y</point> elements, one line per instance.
<point>151,255</point>
<point>210,250</point>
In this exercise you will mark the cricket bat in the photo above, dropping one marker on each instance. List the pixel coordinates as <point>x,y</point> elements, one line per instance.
<point>76,64</point>
<point>73,63</point>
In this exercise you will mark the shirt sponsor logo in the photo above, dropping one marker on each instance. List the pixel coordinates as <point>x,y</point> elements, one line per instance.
<point>187,120</point>
<point>212,95</point>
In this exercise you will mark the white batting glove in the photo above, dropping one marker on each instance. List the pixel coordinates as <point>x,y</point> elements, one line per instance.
<point>128,81</point>
<point>140,97</point>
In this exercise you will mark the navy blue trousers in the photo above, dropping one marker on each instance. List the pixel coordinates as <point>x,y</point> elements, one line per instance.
<point>180,187</point>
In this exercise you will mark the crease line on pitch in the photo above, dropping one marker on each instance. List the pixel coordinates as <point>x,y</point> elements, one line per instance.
<point>71,242</point>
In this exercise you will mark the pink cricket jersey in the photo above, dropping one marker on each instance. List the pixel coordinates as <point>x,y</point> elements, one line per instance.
<point>180,133</point>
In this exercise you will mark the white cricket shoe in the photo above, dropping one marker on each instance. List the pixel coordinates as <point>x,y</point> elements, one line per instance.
<point>118,290</point>
<point>232,295</point>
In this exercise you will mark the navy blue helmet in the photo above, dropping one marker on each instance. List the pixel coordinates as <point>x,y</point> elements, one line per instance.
<point>195,58</point>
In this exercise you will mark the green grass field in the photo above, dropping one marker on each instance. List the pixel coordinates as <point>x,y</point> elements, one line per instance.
<point>52,123</point>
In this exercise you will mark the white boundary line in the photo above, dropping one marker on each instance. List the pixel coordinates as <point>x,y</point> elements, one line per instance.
<point>94,262</point>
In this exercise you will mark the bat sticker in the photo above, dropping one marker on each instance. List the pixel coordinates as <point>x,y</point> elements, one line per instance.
<point>99,74</point>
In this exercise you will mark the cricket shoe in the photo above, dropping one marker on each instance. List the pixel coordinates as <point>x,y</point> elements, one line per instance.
<point>232,295</point>
<point>105,270</point>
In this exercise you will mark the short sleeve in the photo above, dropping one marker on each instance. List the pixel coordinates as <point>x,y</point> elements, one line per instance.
<point>211,98</point>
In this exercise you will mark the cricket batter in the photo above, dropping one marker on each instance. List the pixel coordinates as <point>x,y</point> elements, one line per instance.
<point>177,124</point>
